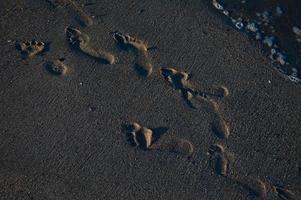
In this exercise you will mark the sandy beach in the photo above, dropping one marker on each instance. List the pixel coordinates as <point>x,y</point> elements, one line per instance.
<point>141,100</point>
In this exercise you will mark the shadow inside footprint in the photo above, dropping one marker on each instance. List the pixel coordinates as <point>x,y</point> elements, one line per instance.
<point>180,81</point>
<point>121,41</point>
<point>141,136</point>
<point>255,187</point>
<point>81,42</point>
<point>129,129</point>
<point>126,42</point>
<point>31,48</point>
<point>220,127</point>
<point>220,160</point>
<point>56,67</point>
<point>143,65</point>
<point>158,132</point>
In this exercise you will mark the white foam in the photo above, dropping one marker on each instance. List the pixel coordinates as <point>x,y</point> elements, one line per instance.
<point>297,31</point>
<point>269,40</point>
<point>239,25</point>
<point>294,79</point>
<point>281,58</point>
<point>217,5</point>
<point>252,27</point>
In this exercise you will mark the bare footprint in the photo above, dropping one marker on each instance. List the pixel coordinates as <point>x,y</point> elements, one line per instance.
<point>221,91</point>
<point>220,127</point>
<point>195,99</point>
<point>56,67</point>
<point>76,37</point>
<point>83,18</point>
<point>255,187</point>
<point>180,82</point>
<point>143,137</point>
<point>126,41</point>
<point>220,160</point>
<point>143,63</point>
<point>176,79</point>
<point>31,48</point>
<point>81,41</point>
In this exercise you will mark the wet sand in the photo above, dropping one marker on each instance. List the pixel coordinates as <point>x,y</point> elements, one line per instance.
<point>274,25</point>
<point>223,124</point>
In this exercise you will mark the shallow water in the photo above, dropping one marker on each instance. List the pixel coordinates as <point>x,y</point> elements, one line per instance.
<point>276,25</point>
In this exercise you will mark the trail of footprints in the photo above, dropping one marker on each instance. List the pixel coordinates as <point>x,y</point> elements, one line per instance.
<point>180,82</point>
<point>219,158</point>
<point>150,138</point>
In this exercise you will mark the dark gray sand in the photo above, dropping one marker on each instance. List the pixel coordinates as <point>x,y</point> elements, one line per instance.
<point>62,135</point>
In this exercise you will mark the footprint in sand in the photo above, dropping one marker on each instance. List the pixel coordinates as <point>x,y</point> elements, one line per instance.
<point>31,48</point>
<point>83,18</point>
<point>219,158</point>
<point>143,137</point>
<point>286,194</point>
<point>143,64</point>
<point>220,127</point>
<point>254,186</point>
<point>81,41</point>
<point>265,190</point>
<point>147,138</point>
<point>56,67</point>
<point>180,82</point>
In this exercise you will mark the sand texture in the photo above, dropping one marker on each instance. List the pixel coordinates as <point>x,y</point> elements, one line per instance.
<point>179,105</point>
